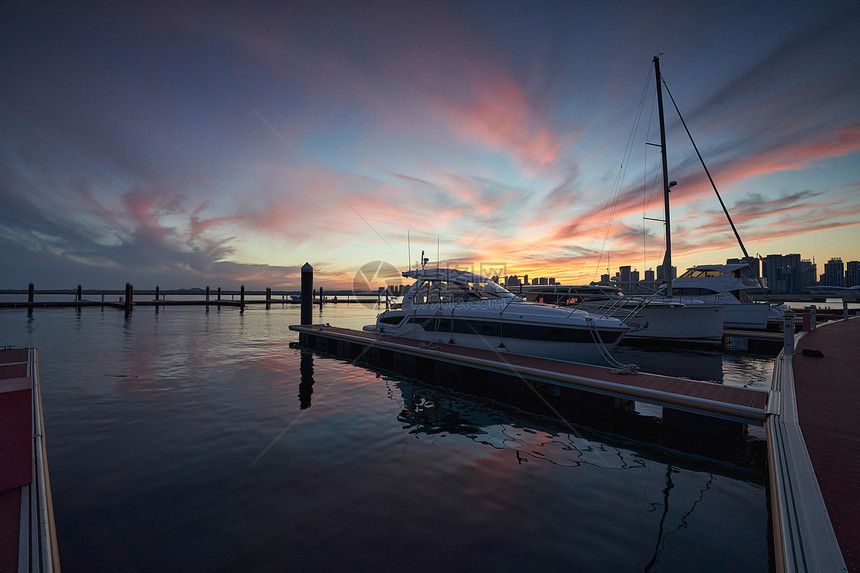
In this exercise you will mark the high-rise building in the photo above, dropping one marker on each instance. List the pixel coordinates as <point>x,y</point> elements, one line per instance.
<point>852,273</point>
<point>660,273</point>
<point>783,273</point>
<point>624,274</point>
<point>808,274</point>
<point>649,275</point>
<point>752,271</point>
<point>834,273</point>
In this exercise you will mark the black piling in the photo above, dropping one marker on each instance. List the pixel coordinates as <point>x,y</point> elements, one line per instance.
<point>207,296</point>
<point>157,292</point>
<point>219,293</point>
<point>307,293</point>
<point>31,293</point>
<point>321,296</point>
<point>79,296</point>
<point>242,297</point>
<point>129,296</point>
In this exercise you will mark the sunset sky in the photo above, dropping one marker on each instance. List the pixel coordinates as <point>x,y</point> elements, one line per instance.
<point>186,144</point>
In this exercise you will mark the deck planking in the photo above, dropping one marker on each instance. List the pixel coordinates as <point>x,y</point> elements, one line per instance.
<point>827,391</point>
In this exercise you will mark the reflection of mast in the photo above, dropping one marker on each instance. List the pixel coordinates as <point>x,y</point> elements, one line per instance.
<point>306,386</point>
<point>661,539</point>
<point>666,490</point>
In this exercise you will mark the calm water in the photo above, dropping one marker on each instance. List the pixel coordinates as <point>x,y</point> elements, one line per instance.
<point>187,440</point>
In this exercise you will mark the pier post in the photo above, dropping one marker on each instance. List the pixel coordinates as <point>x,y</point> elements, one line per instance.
<point>242,297</point>
<point>79,298</point>
<point>844,310</point>
<point>30,293</point>
<point>812,310</point>
<point>307,293</point>
<point>157,291</point>
<point>321,297</point>
<point>207,295</point>
<point>268,297</point>
<point>219,293</point>
<point>129,295</point>
<point>788,323</point>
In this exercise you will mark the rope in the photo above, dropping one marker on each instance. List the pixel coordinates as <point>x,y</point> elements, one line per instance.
<point>619,368</point>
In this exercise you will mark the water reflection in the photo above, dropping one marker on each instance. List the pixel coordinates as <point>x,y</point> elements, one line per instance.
<point>661,537</point>
<point>428,412</point>
<point>428,416</point>
<point>306,385</point>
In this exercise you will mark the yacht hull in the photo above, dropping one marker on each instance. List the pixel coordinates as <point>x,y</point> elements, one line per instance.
<point>555,341</point>
<point>747,316</point>
<point>688,324</point>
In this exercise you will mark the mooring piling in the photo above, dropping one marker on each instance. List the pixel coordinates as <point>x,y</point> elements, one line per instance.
<point>307,299</point>
<point>788,324</point>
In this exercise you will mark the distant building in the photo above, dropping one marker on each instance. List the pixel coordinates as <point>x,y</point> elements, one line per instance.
<point>834,273</point>
<point>649,275</point>
<point>808,274</point>
<point>604,279</point>
<point>660,273</point>
<point>624,274</point>
<point>754,269</point>
<point>783,273</point>
<point>852,273</point>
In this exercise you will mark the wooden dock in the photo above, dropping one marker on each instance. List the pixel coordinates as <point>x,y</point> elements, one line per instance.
<point>27,538</point>
<point>814,451</point>
<point>410,357</point>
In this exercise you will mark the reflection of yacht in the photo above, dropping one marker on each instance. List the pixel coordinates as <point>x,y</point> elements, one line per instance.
<point>722,284</point>
<point>652,319</point>
<point>458,307</point>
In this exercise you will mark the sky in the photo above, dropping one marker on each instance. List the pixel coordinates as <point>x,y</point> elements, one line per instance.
<point>192,144</point>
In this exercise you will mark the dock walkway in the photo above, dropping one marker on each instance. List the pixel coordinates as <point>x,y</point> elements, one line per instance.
<point>827,390</point>
<point>705,398</point>
<point>27,538</point>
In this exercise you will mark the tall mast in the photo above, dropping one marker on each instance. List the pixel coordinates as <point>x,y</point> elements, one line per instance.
<point>667,260</point>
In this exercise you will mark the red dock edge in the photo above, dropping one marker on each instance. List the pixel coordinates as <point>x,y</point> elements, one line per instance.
<point>814,451</point>
<point>27,538</point>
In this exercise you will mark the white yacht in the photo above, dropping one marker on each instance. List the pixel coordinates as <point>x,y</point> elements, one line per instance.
<point>458,307</point>
<point>722,284</point>
<point>650,318</point>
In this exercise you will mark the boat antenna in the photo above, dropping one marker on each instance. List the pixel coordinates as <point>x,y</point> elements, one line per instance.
<point>711,179</point>
<point>667,259</point>
<point>408,251</point>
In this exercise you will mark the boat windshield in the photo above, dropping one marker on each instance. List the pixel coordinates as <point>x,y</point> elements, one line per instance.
<point>448,291</point>
<point>701,273</point>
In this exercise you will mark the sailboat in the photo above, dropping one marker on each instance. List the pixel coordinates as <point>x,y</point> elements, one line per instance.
<point>655,318</point>
<point>707,285</point>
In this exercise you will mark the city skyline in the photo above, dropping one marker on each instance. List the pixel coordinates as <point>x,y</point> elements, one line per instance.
<point>190,144</point>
